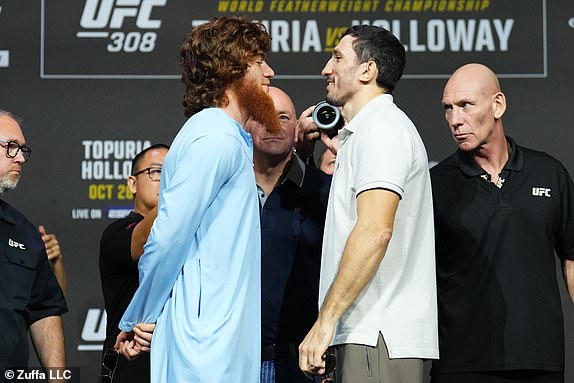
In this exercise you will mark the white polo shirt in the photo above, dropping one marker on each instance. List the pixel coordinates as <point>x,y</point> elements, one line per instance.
<point>381,148</point>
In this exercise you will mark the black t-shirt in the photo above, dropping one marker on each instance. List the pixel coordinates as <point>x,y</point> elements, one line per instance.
<point>119,277</point>
<point>499,304</point>
<point>29,290</point>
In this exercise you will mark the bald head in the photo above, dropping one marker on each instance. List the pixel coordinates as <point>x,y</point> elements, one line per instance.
<point>473,78</point>
<point>474,105</point>
<point>281,100</point>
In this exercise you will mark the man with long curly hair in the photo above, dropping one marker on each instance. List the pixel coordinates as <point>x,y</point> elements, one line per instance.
<point>200,272</point>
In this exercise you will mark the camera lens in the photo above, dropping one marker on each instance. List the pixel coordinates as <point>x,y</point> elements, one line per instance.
<point>325,115</point>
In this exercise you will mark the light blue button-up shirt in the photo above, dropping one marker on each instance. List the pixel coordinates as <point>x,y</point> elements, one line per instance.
<point>200,273</point>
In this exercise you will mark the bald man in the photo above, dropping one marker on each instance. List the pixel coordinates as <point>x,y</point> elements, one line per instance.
<point>501,212</point>
<point>293,203</point>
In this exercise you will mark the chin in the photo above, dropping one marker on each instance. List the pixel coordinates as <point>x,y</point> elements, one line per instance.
<point>466,147</point>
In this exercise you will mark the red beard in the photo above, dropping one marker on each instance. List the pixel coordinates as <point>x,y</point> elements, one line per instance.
<point>253,99</point>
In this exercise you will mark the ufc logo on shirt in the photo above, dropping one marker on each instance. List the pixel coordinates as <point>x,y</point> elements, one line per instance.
<point>541,192</point>
<point>13,243</point>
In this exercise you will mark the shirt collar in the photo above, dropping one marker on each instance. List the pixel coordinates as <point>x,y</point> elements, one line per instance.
<point>368,109</point>
<point>470,167</point>
<point>296,172</point>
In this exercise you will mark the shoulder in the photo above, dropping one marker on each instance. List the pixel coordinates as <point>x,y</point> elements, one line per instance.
<point>27,232</point>
<point>209,121</point>
<point>536,157</point>
<point>384,124</point>
<point>444,167</point>
<point>540,164</point>
<point>125,224</point>
<point>387,115</point>
<point>211,128</point>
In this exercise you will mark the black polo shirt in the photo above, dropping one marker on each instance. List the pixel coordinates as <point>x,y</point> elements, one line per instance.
<point>29,290</point>
<point>292,221</point>
<point>499,304</point>
<point>120,278</point>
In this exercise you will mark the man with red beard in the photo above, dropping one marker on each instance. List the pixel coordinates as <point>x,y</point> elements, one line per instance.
<point>200,272</point>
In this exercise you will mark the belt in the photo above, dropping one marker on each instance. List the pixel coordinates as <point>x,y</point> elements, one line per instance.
<point>278,351</point>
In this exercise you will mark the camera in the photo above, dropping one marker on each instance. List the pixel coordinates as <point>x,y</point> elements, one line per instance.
<point>327,116</point>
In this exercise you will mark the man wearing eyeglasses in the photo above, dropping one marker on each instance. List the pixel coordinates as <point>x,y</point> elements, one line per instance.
<point>121,246</point>
<point>30,297</point>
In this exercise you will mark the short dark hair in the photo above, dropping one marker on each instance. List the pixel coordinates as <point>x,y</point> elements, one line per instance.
<point>382,47</point>
<point>11,115</point>
<point>137,159</point>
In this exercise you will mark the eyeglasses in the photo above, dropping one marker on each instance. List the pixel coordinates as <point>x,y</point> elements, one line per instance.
<point>13,147</point>
<point>153,173</point>
<point>109,362</point>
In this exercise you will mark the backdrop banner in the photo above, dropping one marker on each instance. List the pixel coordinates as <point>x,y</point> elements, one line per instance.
<point>96,81</point>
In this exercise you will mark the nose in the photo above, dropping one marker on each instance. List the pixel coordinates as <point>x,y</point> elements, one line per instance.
<point>19,158</point>
<point>454,117</point>
<point>327,69</point>
<point>268,72</point>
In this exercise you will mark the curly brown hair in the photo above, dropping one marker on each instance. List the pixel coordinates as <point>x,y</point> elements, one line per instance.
<point>215,55</point>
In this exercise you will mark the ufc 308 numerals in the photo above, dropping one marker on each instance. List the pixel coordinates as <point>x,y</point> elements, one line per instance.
<point>132,42</point>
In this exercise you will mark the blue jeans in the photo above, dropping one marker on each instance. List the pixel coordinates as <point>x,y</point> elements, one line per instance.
<point>282,371</point>
<point>267,371</point>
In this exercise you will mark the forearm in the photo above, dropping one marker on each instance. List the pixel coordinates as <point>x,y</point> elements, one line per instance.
<point>48,339</point>
<point>362,256</point>
<point>141,234</point>
<point>60,273</point>
<point>568,272</point>
<point>157,275</point>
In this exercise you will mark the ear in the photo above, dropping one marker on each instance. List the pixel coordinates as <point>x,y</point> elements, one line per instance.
<point>499,104</point>
<point>369,71</point>
<point>132,184</point>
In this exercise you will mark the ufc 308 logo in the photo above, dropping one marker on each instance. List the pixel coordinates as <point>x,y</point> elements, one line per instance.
<point>101,16</point>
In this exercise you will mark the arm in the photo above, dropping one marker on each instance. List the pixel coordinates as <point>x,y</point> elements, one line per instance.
<point>133,344</point>
<point>568,273</point>
<point>55,257</point>
<point>179,218</point>
<point>363,253</point>
<point>48,338</point>
<point>141,233</point>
